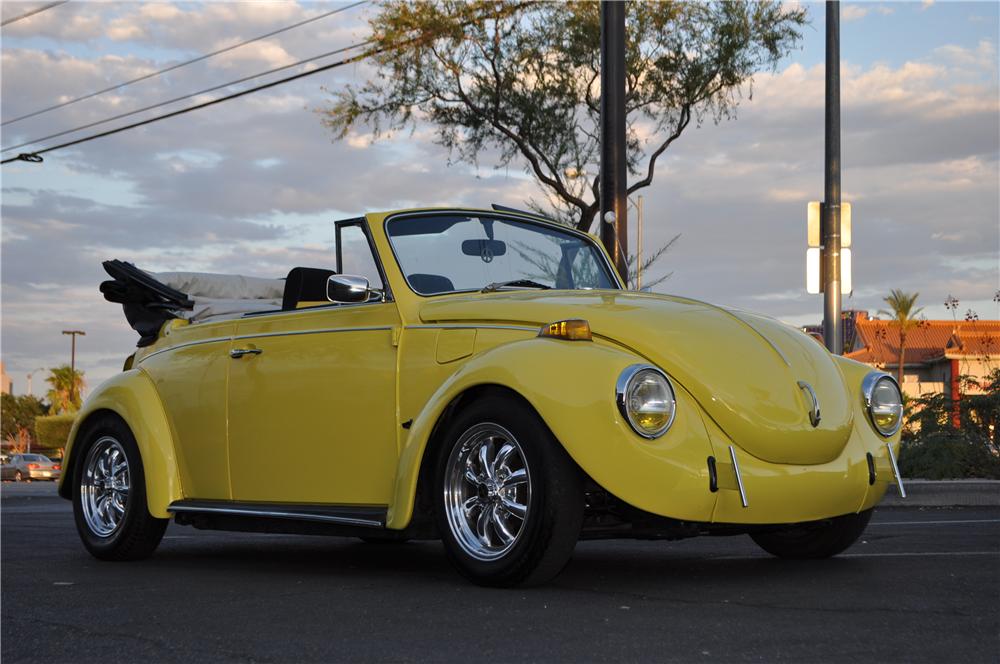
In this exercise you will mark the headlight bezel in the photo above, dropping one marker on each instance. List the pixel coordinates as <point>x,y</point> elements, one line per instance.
<point>622,388</point>
<point>868,386</point>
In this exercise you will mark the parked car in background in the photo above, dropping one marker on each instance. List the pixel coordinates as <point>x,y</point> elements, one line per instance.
<point>27,467</point>
<point>478,376</point>
<point>6,470</point>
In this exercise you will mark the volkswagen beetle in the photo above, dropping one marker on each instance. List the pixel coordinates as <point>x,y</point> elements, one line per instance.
<point>478,376</point>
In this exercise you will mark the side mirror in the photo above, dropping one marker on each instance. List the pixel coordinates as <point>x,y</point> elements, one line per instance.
<point>347,288</point>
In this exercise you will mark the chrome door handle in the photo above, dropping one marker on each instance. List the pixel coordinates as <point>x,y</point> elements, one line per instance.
<point>237,353</point>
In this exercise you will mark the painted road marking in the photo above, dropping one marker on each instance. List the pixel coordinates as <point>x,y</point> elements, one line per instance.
<point>931,523</point>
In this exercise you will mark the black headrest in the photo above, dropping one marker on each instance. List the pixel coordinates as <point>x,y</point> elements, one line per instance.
<point>430,284</point>
<point>305,284</point>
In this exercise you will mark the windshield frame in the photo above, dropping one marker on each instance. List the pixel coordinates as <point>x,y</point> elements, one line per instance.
<point>611,272</point>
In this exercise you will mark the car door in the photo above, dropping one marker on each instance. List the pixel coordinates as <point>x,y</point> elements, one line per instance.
<point>312,404</point>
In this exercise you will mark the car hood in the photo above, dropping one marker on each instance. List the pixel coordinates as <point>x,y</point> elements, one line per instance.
<point>745,370</point>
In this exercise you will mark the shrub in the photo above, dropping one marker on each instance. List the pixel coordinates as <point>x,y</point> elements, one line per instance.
<point>934,449</point>
<point>943,455</point>
<point>52,432</point>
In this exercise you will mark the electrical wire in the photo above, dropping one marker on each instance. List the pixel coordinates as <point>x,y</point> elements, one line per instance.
<point>181,64</point>
<point>39,10</point>
<point>183,97</point>
<point>35,157</point>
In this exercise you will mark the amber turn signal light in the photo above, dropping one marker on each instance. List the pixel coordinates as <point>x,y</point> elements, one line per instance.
<point>574,329</point>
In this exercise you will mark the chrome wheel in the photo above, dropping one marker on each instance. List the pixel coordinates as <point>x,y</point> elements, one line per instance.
<point>104,488</point>
<point>487,491</point>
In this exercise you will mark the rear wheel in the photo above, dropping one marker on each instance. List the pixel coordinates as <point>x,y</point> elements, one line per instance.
<point>109,497</point>
<point>18,477</point>
<point>509,499</point>
<point>819,539</point>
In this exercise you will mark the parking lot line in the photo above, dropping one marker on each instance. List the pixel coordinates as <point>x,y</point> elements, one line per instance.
<point>946,522</point>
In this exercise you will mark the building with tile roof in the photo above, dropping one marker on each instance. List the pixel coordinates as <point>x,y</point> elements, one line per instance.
<point>937,352</point>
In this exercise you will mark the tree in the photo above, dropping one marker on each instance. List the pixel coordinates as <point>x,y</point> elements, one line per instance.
<point>523,79</point>
<point>17,419</point>
<point>904,317</point>
<point>67,386</point>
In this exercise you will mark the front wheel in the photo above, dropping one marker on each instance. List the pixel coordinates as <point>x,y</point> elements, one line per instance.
<point>819,539</point>
<point>509,499</point>
<point>109,496</point>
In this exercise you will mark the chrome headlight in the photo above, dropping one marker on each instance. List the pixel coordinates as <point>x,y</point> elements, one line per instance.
<point>883,401</point>
<point>646,399</point>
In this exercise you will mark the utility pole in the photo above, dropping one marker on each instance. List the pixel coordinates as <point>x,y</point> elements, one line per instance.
<point>614,175</point>
<point>72,362</point>
<point>833,327</point>
<point>638,242</point>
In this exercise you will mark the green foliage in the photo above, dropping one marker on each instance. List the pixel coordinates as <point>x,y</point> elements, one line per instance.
<point>934,449</point>
<point>523,79</point>
<point>17,413</point>
<point>66,390</point>
<point>52,432</point>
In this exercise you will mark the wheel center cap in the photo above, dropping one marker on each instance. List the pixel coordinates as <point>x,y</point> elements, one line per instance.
<point>492,490</point>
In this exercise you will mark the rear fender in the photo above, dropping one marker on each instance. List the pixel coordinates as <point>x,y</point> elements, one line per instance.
<point>571,385</point>
<point>132,397</point>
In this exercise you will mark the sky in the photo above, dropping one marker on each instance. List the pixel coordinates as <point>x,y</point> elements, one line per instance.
<point>252,186</point>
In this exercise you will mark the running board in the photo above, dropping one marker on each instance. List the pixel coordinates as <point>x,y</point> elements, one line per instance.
<point>365,517</point>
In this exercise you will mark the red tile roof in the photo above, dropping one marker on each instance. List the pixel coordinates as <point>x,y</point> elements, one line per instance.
<point>877,341</point>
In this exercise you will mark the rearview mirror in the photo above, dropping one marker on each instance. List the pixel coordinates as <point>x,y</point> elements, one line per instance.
<point>485,249</point>
<point>347,288</point>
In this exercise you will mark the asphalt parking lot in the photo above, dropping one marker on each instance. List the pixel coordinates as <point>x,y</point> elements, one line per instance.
<point>922,586</point>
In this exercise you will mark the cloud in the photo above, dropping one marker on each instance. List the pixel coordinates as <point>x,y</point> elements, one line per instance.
<point>854,12</point>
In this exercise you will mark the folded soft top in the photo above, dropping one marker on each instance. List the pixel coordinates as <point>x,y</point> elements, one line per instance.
<point>151,299</point>
<point>222,286</point>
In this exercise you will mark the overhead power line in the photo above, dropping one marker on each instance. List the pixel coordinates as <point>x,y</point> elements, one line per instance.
<point>36,156</point>
<point>176,66</point>
<point>39,10</point>
<point>183,97</point>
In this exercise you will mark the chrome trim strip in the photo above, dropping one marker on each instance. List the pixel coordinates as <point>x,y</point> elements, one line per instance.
<point>473,326</point>
<point>184,345</point>
<point>278,514</point>
<point>326,330</point>
<point>739,478</point>
<point>895,471</point>
<point>329,306</point>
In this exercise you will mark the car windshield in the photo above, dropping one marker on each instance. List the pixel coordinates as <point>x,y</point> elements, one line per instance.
<point>36,457</point>
<point>461,252</point>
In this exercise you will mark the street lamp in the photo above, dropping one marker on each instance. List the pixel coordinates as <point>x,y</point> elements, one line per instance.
<point>32,373</point>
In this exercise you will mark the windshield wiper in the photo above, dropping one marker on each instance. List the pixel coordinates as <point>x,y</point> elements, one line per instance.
<point>516,283</point>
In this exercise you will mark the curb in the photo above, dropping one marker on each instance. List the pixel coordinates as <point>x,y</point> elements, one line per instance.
<point>945,493</point>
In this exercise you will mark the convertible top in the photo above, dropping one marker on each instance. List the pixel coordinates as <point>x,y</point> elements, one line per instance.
<point>151,299</point>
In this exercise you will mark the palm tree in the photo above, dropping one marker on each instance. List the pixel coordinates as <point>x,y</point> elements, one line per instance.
<point>904,316</point>
<point>67,384</point>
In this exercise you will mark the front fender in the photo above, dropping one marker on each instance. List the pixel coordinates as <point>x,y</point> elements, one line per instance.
<point>131,396</point>
<point>571,385</point>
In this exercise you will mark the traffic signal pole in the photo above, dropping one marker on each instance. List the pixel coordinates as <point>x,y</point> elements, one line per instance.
<point>614,176</point>
<point>833,326</point>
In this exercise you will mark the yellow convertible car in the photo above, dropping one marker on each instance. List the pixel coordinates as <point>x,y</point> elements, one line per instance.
<point>481,377</point>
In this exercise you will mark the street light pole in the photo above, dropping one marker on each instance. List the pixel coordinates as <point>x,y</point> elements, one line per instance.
<point>614,175</point>
<point>833,333</point>
<point>32,373</point>
<point>72,362</point>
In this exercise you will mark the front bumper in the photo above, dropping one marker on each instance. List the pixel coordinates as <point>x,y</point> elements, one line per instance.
<point>780,493</point>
